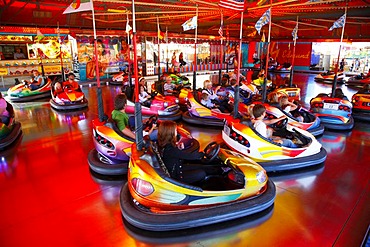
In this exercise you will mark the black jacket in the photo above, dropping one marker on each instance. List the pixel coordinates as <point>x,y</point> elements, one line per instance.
<point>172,158</point>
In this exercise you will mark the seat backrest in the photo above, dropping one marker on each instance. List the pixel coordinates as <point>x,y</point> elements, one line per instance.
<point>110,123</point>
<point>159,158</point>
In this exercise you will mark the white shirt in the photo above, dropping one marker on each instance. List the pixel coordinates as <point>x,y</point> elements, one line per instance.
<point>143,97</point>
<point>261,128</point>
<point>166,87</point>
<point>211,94</point>
<point>207,103</point>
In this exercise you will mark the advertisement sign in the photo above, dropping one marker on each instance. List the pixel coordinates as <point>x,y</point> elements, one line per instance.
<point>283,53</point>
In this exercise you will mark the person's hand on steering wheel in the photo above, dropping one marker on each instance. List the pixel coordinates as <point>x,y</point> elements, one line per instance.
<point>280,123</point>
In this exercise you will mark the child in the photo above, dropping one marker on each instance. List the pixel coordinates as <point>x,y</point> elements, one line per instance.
<point>273,99</point>
<point>206,101</point>
<point>288,106</point>
<point>122,120</point>
<point>260,125</point>
<point>169,88</point>
<point>144,97</point>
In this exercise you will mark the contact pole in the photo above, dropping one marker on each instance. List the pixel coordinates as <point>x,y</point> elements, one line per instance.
<point>138,116</point>
<point>221,49</point>
<point>292,65</point>
<point>159,52</point>
<point>264,85</point>
<point>195,54</point>
<point>99,91</point>
<point>337,64</point>
<point>236,99</point>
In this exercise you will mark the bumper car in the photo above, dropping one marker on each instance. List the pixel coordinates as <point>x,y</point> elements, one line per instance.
<point>229,231</point>
<point>293,93</point>
<point>283,68</point>
<point>177,79</point>
<point>21,93</point>
<point>358,80</point>
<point>113,148</point>
<point>151,200</point>
<point>166,107</point>
<point>201,115</point>
<point>361,105</point>
<point>329,77</point>
<point>119,79</point>
<point>311,123</point>
<point>334,113</point>
<point>10,129</point>
<point>68,99</point>
<point>242,137</point>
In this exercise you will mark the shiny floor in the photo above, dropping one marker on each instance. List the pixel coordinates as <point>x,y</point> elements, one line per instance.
<point>50,198</point>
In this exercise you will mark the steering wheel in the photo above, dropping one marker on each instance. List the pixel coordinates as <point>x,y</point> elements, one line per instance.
<point>152,120</point>
<point>280,124</point>
<point>211,151</point>
<point>67,87</point>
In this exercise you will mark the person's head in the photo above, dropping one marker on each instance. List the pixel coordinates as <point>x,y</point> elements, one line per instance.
<point>71,76</point>
<point>120,102</point>
<point>224,81</point>
<point>141,88</point>
<point>35,72</point>
<point>142,81</point>
<point>338,93</point>
<point>167,132</point>
<point>18,50</point>
<point>204,96</point>
<point>233,82</point>
<point>283,100</point>
<point>273,97</point>
<point>207,84</point>
<point>168,79</point>
<point>259,110</point>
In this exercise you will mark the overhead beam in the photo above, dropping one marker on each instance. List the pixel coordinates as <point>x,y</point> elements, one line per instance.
<point>156,4</point>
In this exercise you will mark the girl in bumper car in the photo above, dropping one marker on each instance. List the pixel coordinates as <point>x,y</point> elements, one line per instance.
<point>173,155</point>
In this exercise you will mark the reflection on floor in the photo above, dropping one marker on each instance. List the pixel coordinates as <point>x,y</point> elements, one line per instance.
<point>50,198</point>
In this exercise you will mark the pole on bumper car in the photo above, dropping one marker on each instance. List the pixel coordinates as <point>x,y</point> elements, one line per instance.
<point>337,63</point>
<point>264,85</point>
<point>236,97</point>
<point>138,116</point>
<point>100,98</point>
<point>294,43</point>
<point>195,54</point>
<point>221,48</point>
<point>60,53</point>
<point>159,51</point>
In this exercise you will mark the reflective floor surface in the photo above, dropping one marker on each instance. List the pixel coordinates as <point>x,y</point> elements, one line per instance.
<point>50,198</point>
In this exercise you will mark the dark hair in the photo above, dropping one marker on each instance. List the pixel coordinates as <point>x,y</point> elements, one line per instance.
<point>258,110</point>
<point>1,95</point>
<point>71,74</point>
<point>166,133</point>
<point>120,102</point>
<point>338,93</point>
<point>233,82</point>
